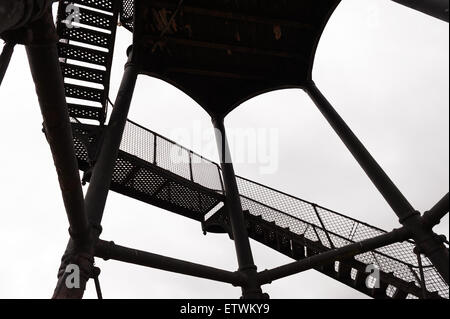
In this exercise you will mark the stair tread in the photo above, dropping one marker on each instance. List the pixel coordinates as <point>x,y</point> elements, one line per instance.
<point>78,72</point>
<point>89,17</point>
<point>82,54</point>
<point>84,111</point>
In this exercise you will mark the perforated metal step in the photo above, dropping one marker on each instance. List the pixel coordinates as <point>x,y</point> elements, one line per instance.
<point>87,30</point>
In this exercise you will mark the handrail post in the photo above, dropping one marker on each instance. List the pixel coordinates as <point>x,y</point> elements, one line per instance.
<point>191,171</point>
<point>221,179</point>
<point>323,226</point>
<point>155,148</point>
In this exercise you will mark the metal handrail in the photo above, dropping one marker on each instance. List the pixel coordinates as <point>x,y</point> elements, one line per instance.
<point>329,232</point>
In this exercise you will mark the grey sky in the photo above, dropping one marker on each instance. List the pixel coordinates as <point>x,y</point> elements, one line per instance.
<point>385,69</point>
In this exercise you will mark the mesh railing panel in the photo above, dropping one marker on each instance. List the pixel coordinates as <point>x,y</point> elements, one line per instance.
<point>277,200</point>
<point>323,225</point>
<point>138,142</point>
<point>168,155</point>
<point>172,158</point>
<point>206,174</point>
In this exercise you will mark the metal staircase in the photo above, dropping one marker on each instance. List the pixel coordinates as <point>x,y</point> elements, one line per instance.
<point>155,170</point>
<point>87,31</point>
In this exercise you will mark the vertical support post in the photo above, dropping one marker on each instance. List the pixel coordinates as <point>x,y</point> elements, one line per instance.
<point>155,149</point>
<point>430,244</point>
<point>97,192</point>
<point>191,170</point>
<point>251,289</point>
<point>5,58</point>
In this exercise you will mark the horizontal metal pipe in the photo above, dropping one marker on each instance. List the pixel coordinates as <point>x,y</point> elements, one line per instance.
<point>434,215</point>
<point>434,8</point>
<point>397,235</point>
<point>109,250</point>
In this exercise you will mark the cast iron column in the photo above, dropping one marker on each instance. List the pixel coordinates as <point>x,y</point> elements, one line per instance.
<point>100,181</point>
<point>428,242</point>
<point>252,289</point>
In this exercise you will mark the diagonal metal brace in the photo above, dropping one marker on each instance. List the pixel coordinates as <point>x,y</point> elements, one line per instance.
<point>397,235</point>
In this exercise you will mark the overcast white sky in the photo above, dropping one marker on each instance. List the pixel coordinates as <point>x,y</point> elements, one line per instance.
<point>384,67</point>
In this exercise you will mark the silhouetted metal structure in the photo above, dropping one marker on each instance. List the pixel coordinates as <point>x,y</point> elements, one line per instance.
<point>220,53</point>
